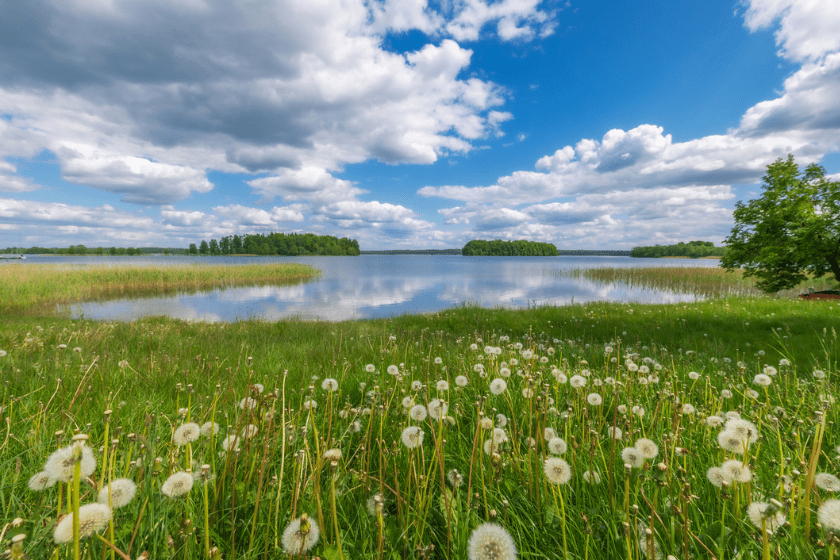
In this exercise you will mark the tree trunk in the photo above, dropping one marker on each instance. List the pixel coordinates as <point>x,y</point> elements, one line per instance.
<point>835,267</point>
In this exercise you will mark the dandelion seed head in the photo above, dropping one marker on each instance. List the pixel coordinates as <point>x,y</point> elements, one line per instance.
<point>333,454</point>
<point>827,482</point>
<point>829,514</point>
<point>248,403</point>
<point>416,386</point>
<point>92,519</point>
<point>614,432</point>
<point>455,478</point>
<point>557,446</point>
<point>499,436</point>
<point>209,428</point>
<point>393,370</point>
<point>736,470</point>
<point>756,513</point>
<point>592,477</point>
<point>60,464</point>
<point>498,386</point>
<point>819,374</point>
<point>417,413</point>
<point>41,481</point>
<point>633,457</point>
<point>412,437</point>
<point>763,380</point>
<point>577,381</point>
<point>299,537</point>
<point>329,384</point>
<point>370,368</point>
<point>693,375</point>
<point>557,471</point>
<point>438,409</point>
<point>490,541</point>
<point>717,476</point>
<point>501,420</point>
<point>442,385</point>
<point>527,392</point>
<point>647,448</point>
<point>594,399</point>
<point>177,484</point>
<point>122,492</point>
<point>186,433</point>
<point>714,421</point>
<point>461,381</point>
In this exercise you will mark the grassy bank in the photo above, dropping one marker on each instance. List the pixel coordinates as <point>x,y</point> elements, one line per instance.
<point>38,288</point>
<point>661,373</point>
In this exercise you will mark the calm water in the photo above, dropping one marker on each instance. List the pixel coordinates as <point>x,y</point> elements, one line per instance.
<point>382,286</point>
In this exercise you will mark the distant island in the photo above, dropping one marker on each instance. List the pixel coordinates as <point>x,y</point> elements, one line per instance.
<point>691,250</point>
<point>519,248</point>
<point>280,244</point>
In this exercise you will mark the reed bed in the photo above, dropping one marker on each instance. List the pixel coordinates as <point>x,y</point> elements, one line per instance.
<point>33,288</point>
<point>700,281</point>
<point>601,431</point>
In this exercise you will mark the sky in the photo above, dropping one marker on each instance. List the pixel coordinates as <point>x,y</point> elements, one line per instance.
<point>405,124</point>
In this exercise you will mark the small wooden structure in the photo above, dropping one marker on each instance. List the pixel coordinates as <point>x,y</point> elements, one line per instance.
<point>825,294</point>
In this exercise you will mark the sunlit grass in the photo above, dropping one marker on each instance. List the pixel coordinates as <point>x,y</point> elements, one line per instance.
<point>36,288</point>
<point>60,376</point>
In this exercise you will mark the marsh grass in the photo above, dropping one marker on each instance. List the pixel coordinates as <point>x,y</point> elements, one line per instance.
<point>39,288</point>
<point>700,281</point>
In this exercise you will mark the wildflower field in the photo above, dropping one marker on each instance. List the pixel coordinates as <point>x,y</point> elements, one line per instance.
<point>600,431</point>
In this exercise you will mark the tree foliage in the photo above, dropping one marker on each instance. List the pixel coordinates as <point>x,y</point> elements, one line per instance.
<point>692,250</point>
<point>482,248</point>
<point>291,244</point>
<point>791,231</point>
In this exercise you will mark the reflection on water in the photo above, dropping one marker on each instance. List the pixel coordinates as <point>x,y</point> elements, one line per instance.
<point>386,285</point>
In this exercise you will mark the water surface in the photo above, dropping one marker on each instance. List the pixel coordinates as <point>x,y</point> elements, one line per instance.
<point>381,286</point>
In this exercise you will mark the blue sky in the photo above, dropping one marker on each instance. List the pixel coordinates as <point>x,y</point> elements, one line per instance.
<point>405,124</point>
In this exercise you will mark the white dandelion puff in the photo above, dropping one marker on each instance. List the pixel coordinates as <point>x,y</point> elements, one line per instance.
<point>177,484</point>
<point>412,437</point>
<point>186,433</point>
<point>122,492</point>
<point>498,386</point>
<point>557,471</point>
<point>490,541</point>
<point>300,535</point>
<point>92,519</point>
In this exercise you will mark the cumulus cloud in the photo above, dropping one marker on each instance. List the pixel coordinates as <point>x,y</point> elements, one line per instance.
<point>807,29</point>
<point>142,98</point>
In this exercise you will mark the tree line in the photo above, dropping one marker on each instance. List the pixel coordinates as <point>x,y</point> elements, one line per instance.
<point>83,250</point>
<point>519,248</point>
<point>292,244</point>
<point>692,250</point>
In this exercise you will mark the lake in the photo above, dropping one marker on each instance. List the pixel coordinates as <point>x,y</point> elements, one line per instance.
<point>381,286</point>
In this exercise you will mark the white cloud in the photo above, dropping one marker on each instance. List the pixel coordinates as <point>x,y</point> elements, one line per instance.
<point>807,28</point>
<point>141,99</point>
<point>245,216</point>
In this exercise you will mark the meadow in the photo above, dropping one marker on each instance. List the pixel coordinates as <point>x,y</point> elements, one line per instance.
<point>604,430</point>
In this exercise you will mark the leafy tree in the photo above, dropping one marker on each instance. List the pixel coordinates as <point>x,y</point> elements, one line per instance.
<point>193,249</point>
<point>214,247</point>
<point>203,248</point>
<point>791,231</point>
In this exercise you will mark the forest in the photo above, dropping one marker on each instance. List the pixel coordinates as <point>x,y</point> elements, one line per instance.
<point>692,250</point>
<point>519,248</point>
<point>291,244</point>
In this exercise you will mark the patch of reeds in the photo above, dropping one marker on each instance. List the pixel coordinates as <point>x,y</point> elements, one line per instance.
<point>709,282</point>
<point>36,288</point>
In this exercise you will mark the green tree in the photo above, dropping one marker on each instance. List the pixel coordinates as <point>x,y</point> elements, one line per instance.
<point>791,231</point>
<point>203,248</point>
<point>214,247</point>
<point>193,250</point>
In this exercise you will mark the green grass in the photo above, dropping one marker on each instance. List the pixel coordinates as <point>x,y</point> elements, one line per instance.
<point>61,375</point>
<point>39,288</point>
